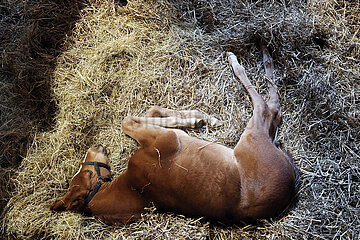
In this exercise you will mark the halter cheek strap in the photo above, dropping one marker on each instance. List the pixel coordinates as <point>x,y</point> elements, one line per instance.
<point>100,179</point>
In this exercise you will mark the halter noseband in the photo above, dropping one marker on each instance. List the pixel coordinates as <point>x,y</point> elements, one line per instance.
<point>99,177</point>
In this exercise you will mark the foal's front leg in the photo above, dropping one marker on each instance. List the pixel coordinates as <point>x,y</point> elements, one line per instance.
<point>145,130</point>
<point>159,112</point>
<point>172,122</point>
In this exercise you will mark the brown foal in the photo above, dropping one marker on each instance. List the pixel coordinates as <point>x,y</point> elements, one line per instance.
<point>183,174</point>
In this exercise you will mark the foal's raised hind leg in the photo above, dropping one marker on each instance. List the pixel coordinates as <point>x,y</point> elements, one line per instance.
<point>266,115</point>
<point>273,102</point>
<point>257,121</point>
<point>267,174</point>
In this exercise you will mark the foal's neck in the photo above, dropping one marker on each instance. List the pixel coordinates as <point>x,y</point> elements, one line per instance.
<point>117,202</point>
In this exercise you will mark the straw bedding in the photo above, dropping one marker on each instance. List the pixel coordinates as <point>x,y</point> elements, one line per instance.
<point>120,61</point>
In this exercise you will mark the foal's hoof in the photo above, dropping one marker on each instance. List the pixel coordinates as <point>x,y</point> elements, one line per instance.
<point>214,122</point>
<point>123,2</point>
<point>199,123</point>
<point>228,54</point>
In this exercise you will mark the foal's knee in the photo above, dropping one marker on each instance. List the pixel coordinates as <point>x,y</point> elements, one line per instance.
<point>154,111</point>
<point>260,107</point>
<point>129,123</point>
<point>275,113</point>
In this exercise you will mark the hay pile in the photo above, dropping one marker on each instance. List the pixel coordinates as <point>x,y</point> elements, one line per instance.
<point>120,61</point>
<point>31,36</point>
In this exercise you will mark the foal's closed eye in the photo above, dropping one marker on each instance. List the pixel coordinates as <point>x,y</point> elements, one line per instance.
<point>89,172</point>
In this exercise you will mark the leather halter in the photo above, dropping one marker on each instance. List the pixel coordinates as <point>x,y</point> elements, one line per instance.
<point>100,179</point>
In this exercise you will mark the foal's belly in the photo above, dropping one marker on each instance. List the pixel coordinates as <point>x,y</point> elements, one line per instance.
<point>203,180</point>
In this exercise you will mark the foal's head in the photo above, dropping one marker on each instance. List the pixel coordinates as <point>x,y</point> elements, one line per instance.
<point>84,180</point>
